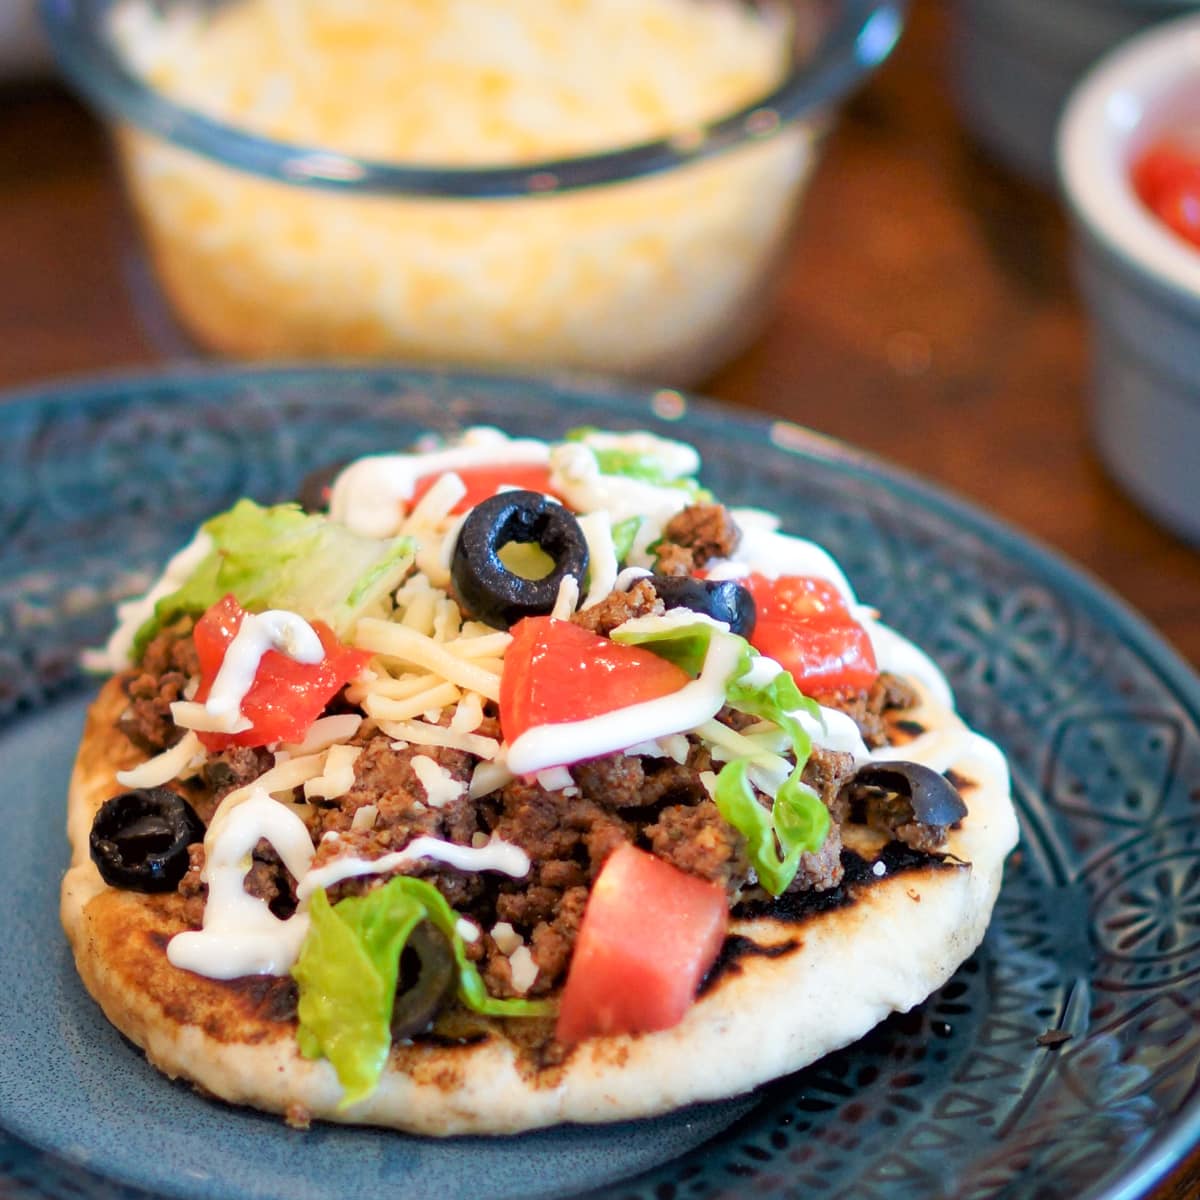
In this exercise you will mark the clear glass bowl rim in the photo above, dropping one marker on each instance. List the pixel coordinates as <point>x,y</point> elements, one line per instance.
<point>858,39</point>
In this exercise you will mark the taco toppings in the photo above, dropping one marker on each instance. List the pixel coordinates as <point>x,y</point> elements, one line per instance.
<point>513,731</point>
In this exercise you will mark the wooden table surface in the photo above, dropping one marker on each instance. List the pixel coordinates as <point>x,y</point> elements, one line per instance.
<point>927,315</point>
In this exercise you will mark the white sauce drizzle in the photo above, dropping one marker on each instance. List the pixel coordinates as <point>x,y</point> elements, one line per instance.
<point>576,476</point>
<point>370,494</point>
<point>240,934</point>
<point>628,577</point>
<point>497,855</point>
<point>275,629</point>
<point>769,553</point>
<point>897,655</point>
<point>694,703</point>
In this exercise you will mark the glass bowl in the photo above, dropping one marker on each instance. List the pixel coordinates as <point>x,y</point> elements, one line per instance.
<point>651,260</point>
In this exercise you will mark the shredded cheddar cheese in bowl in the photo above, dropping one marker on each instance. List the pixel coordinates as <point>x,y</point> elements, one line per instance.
<point>657,275</point>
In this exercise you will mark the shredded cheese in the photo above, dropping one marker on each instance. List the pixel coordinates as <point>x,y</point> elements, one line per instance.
<point>435,698</point>
<point>364,818</point>
<point>337,774</point>
<point>507,939</point>
<point>568,598</point>
<point>187,753</point>
<point>188,714</point>
<point>421,733</point>
<point>440,786</point>
<point>325,732</point>
<point>523,970</point>
<point>409,646</point>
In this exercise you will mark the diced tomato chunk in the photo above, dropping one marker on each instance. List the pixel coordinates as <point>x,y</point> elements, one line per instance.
<point>1166,178</point>
<point>649,933</point>
<point>286,696</point>
<point>803,623</point>
<point>483,482</point>
<point>555,672</point>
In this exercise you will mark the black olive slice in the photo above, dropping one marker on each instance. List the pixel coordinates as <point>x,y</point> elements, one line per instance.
<point>139,839</point>
<point>316,487</point>
<point>489,590</point>
<point>723,600</point>
<point>427,976</point>
<point>934,799</point>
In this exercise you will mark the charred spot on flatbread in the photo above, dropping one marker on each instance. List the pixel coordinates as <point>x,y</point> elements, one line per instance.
<point>859,876</point>
<point>737,947</point>
<point>904,730</point>
<point>962,783</point>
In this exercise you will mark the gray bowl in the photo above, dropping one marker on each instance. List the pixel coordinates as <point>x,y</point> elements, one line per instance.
<point>1141,282</point>
<point>1014,62</point>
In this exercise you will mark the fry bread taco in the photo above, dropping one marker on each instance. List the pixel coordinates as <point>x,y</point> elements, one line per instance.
<point>516,783</point>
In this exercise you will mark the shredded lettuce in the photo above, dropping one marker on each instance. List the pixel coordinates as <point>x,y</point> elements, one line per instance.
<point>635,464</point>
<point>347,970</point>
<point>283,557</point>
<point>797,822</point>
<point>684,644</point>
<point>623,535</point>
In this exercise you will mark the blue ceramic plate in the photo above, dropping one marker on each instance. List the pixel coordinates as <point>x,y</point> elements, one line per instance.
<point>1097,933</point>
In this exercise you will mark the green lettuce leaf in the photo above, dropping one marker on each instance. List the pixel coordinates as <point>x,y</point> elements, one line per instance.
<point>798,822</point>
<point>347,969</point>
<point>776,701</point>
<point>634,465</point>
<point>346,973</point>
<point>797,819</point>
<point>623,535</point>
<point>283,557</point>
<point>684,645</point>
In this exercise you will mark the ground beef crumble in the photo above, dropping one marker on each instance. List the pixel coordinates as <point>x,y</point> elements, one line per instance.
<point>168,664</point>
<point>695,536</point>
<point>616,608</point>
<point>868,707</point>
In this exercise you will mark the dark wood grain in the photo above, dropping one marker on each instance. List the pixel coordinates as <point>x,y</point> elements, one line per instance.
<point>926,314</point>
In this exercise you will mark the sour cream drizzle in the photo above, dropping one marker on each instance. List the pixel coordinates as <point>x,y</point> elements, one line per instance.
<point>497,855</point>
<point>693,704</point>
<point>240,934</point>
<point>576,476</point>
<point>370,494</point>
<point>765,551</point>
<point>275,629</point>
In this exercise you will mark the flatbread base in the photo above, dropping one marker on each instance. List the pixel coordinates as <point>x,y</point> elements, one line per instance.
<point>788,989</point>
